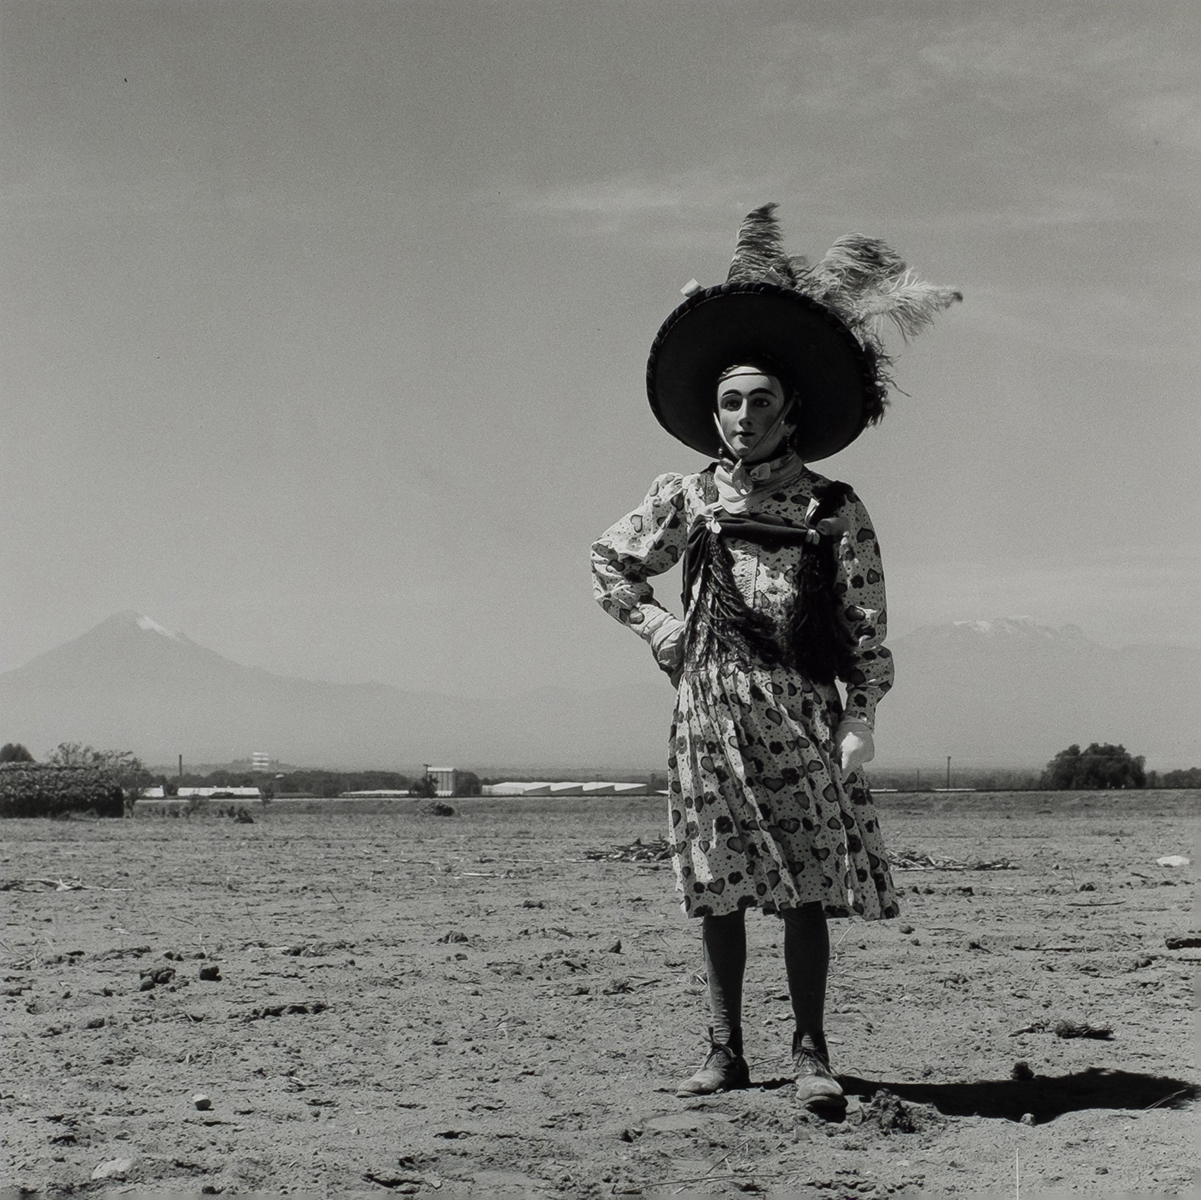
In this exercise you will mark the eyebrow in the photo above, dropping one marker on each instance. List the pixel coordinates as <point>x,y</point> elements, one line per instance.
<point>753,392</point>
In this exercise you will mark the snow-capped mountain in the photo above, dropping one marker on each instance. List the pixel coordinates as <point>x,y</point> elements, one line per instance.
<point>1005,693</point>
<point>131,683</point>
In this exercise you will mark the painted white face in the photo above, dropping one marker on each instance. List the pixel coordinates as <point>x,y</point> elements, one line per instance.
<point>748,405</point>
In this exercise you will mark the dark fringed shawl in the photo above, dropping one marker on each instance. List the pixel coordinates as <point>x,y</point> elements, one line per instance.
<point>721,623</point>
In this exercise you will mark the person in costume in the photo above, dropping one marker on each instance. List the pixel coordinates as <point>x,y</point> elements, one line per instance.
<point>783,595</point>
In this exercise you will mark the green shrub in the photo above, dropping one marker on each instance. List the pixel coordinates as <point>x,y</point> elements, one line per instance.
<point>42,790</point>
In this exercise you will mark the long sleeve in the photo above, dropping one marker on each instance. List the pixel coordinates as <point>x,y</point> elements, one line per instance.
<point>862,614</point>
<point>646,542</point>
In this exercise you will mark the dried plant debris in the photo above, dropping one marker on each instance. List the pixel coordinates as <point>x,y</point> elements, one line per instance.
<point>1067,1029</point>
<point>914,860</point>
<point>636,851</point>
<point>1082,1029</point>
<point>42,885</point>
<point>1186,941</point>
<point>317,949</point>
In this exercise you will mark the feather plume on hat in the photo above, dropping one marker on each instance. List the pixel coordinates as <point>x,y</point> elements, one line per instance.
<point>864,282</point>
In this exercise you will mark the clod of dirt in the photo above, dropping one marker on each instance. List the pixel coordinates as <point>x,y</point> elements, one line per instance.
<point>279,1010</point>
<point>890,1114</point>
<point>202,1102</point>
<point>455,935</point>
<point>1172,860</point>
<point>211,974</point>
<point>244,817</point>
<point>1082,1029</point>
<point>533,904</point>
<point>616,947</point>
<point>438,809</point>
<point>115,1168</point>
<point>906,929</point>
<point>1183,942</point>
<point>1027,1118</point>
<point>1021,1070</point>
<point>155,976</point>
<point>1087,887</point>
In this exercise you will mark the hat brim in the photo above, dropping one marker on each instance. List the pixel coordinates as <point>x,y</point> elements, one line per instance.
<point>720,326</point>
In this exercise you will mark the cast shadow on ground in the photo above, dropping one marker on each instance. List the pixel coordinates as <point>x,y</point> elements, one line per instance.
<point>1044,1097</point>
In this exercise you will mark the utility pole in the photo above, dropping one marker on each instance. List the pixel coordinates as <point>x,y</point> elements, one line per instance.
<point>181,766</point>
<point>948,772</point>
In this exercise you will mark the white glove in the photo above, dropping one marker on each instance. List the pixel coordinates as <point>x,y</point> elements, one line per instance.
<point>853,742</point>
<point>666,637</point>
<point>668,647</point>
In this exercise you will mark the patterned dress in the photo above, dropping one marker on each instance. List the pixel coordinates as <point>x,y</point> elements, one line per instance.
<point>760,812</point>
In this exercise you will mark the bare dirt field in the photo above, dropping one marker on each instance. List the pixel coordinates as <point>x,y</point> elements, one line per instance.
<point>472,1005</point>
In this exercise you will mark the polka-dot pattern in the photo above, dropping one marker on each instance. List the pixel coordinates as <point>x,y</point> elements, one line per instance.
<point>760,812</point>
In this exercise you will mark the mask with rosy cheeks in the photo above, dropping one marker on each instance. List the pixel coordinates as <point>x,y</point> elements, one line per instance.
<point>751,412</point>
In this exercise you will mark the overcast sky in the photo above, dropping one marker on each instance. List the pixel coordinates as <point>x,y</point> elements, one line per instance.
<point>325,324</point>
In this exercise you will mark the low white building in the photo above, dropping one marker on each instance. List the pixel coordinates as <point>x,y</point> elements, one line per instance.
<point>205,793</point>
<point>512,789</point>
<point>564,787</point>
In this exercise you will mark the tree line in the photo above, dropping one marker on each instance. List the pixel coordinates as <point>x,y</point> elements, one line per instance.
<point>1097,767</point>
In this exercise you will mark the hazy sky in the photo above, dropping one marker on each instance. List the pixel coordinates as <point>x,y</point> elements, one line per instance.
<point>325,324</point>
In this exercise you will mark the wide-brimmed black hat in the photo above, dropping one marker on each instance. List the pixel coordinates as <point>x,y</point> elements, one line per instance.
<point>818,325</point>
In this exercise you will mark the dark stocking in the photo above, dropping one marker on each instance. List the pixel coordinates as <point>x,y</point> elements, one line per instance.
<point>724,940</point>
<point>807,961</point>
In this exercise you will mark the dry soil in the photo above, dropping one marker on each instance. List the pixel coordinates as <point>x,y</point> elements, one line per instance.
<point>477,1004</point>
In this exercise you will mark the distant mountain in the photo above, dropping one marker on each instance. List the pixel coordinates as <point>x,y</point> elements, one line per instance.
<point>999,693</point>
<point>131,683</point>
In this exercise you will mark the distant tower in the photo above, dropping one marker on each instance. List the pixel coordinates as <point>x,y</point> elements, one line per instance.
<point>260,760</point>
<point>445,779</point>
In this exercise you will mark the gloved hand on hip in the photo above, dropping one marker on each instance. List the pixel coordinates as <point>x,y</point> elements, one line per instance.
<point>853,744</point>
<point>665,633</point>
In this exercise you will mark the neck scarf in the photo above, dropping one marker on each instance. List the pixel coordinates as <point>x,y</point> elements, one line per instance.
<point>737,481</point>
